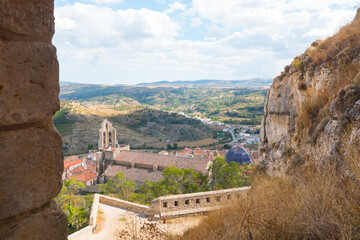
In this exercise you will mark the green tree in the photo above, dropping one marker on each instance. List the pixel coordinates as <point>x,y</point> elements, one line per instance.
<point>145,193</point>
<point>172,179</point>
<point>120,186</point>
<point>76,207</point>
<point>226,175</point>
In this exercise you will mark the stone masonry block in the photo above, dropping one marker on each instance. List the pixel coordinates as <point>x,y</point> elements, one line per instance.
<point>29,84</point>
<point>31,163</point>
<point>47,222</point>
<point>27,20</point>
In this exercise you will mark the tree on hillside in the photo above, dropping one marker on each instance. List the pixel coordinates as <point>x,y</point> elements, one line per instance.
<point>226,175</point>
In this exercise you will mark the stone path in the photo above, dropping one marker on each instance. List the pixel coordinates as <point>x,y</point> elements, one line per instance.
<point>123,224</point>
<point>116,220</point>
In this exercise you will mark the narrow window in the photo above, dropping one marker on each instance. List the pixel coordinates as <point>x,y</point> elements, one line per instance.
<point>165,204</point>
<point>176,203</point>
<point>186,202</point>
<point>218,198</point>
<point>198,200</point>
<point>207,199</point>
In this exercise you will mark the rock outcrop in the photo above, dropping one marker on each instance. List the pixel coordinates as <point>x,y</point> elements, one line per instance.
<point>312,113</point>
<point>31,158</point>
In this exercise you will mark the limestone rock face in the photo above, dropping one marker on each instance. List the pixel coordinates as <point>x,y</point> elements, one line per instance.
<point>312,112</point>
<point>31,157</point>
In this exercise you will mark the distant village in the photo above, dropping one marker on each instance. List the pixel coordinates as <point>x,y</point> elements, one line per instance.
<point>98,166</point>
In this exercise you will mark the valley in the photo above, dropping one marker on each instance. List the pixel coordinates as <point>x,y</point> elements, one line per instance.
<point>153,117</point>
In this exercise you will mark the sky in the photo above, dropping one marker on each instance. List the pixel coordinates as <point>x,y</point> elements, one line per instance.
<point>136,41</point>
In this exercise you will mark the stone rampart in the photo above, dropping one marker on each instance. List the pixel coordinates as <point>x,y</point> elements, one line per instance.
<point>126,205</point>
<point>169,206</point>
<point>192,203</point>
<point>84,233</point>
<point>31,157</point>
<point>94,210</point>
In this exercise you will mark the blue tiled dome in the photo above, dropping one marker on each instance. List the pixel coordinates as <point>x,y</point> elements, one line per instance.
<point>238,155</point>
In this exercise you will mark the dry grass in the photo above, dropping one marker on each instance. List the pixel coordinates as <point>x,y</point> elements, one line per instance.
<point>337,51</point>
<point>311,203</point>
<point>315,110</point>
<point>348,36</point>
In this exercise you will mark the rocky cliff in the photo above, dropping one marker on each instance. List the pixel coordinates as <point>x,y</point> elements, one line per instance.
<point>312,113</point>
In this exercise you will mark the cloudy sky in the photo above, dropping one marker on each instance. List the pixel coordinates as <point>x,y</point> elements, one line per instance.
<point>132,41</point>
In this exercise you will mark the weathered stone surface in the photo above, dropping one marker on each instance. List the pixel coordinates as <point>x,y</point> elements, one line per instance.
<point>27,20</point>
<point>316,123</point>
<point>45,223</point>
<point>31,167</point>
<point>29,84</point>
<point>31,158</point>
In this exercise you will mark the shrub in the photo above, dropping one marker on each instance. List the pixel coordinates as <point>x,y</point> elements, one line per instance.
<point>315,110</point>
<point>302,86</point>
<point>298,63</point>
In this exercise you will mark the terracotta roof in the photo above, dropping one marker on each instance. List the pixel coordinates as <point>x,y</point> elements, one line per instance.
<point>84,177</point>
<point>71,161</point>
<point>134,174</point>
<point>162,161</point>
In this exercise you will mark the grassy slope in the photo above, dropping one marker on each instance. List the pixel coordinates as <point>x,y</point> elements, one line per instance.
<point>141,128</point>
<point>209,102</point>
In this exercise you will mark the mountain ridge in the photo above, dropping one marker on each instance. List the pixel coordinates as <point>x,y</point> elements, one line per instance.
<point>202,83</point>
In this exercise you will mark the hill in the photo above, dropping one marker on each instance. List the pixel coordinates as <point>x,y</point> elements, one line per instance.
<point>129,106</point>
<point>255,83</point>
<point>216,103</point>
<point>144,128</point>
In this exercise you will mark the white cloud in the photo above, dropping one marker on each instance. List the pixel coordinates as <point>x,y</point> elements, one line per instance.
<point>86,25</point>
<point>105,2</point>
<point>233,39</point>
<point>175,6</point>
<point>195,22</point>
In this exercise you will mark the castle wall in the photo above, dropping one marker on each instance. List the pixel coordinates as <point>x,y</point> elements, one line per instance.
<point>192,203</point>
<point>31,159</point>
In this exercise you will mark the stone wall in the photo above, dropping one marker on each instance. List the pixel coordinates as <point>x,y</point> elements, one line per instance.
<point>31,157</point>
<point>192,203</point>
<point>126,205</point>
<point>186,204</point>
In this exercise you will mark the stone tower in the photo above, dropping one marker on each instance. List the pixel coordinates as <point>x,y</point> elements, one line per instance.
<point>107,135</point>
